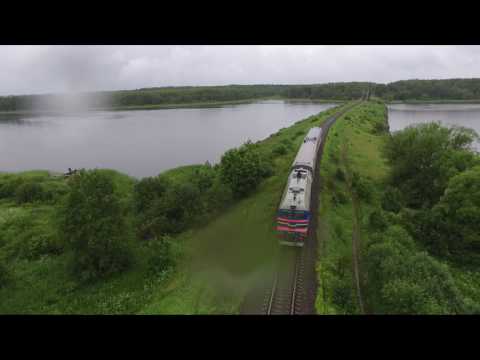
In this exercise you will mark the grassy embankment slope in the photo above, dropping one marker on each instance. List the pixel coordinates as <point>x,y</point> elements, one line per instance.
<point>228,254</point>
<point>353,145</point>
<point>217,261</point>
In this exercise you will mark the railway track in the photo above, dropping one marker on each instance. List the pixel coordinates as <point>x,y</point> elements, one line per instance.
<point>293,286</point>
<point>289,293</point>
<point>283,294</point>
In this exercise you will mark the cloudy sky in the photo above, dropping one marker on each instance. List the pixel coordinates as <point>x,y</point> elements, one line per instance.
<point>47,69</point>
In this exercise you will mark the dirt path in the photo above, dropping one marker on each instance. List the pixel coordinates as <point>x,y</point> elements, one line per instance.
<point>356,239</point>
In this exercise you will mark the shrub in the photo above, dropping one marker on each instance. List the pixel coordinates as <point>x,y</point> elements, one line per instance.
<point>343,294</point>
<point>380,127</point>
<point>5,275</point>
<point>339,198</point>
<point>377,221</point>
<point>203,177</point>
<point>424,157</point>
<point>29,192</point>
<point>218,196</point>
<point>94,227</point>
<point>279,150</point>
<point>339,175</point>
<point>392,200</point>
<point>455,220</point>
<point>287,143</point>
<point>243,169</point>
<point>8,186</point>
<point>362,187</point>
<point>160,257</point>
<point>38,244</point>
<point>147,190</point>
<point>298,133</point>
<point>402,280</point>
<point>173,212</point>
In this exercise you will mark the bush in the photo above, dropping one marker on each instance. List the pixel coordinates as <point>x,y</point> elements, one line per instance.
<point>29,192</point>
<point>455,219</point>
<point>339,175</point>
<point>8,186</point>
<point>287,143</point>
<point>343,294</point>
<point>339,198</point>
<point>203,177</point>
<point>298,133</point>
<point>173,212</point>
<point>392,200</point>
<point>243,169</point>
<point>147,190</point>
<point>160,257</point>
<point>362,187</point>
<point>380,127</point>
<point>279,150</point>
<point>424,157</point>
<point>94,227</point>
<point>377,221</point>
<point>4,275</point>
<point>402,280</point>
<point>38,244</point>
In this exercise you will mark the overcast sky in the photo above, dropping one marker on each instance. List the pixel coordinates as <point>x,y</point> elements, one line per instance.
<point>47,69</point>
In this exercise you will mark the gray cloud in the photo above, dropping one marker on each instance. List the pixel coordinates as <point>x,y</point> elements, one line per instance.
<point>47,69</point>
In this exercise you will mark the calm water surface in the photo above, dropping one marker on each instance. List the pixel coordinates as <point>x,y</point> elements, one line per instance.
<point>402,115</point>
<point>141,142</point>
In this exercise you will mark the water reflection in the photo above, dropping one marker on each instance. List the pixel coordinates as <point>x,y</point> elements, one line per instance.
<point>403,115</point>
<point>141,142</point>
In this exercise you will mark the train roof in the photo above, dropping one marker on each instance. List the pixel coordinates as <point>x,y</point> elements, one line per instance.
<point>296,193</point>
<point>307,154</point>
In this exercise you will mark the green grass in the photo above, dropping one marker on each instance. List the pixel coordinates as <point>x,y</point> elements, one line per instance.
<point>353,135</point>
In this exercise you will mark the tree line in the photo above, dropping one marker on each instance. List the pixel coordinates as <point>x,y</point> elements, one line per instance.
<point>450,89</point>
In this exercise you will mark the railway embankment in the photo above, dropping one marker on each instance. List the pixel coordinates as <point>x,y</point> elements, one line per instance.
<point>289,286</point>
<point>351,173</point>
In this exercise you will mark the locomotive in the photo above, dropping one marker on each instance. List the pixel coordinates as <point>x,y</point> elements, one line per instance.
<point>294,212</point>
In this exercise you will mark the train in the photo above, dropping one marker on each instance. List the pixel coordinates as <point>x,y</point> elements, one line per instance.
<point>294,211</point>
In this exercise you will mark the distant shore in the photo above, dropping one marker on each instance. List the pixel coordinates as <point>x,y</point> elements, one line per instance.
<point>434,102</point>
<point>183,105</point>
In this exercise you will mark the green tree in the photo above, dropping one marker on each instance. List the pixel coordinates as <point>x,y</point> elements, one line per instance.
<point>403,280</point>
<point>457,215</point>
<point>426,287</point>
<point>147,190</point>
<point>243,169</point>
<point>94,227</point>
<point>392,200</point>
<point>424,157</point>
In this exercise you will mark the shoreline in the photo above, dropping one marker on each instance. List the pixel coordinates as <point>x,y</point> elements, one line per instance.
<point>211,104</point>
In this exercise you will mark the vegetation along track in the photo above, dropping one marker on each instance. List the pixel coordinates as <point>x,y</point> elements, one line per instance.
<point>293,285</point>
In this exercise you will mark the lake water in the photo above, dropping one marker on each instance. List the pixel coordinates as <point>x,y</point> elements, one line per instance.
<point>141,142</point>
<point>402,115</point>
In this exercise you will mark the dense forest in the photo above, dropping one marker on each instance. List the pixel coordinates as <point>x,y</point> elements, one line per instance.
<point>423,90</point>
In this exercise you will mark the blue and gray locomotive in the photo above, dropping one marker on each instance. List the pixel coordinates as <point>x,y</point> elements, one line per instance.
<point>294,212</point>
